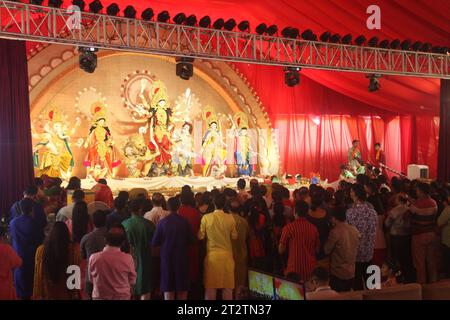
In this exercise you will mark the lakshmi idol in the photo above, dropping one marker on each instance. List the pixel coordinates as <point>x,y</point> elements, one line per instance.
<point>101,160</point>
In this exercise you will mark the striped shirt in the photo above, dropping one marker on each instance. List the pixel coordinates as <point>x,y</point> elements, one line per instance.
<point>302,240</point>
<point>423,216</point>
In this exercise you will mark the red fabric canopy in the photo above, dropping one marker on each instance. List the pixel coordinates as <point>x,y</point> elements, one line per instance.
<point>312,115</point>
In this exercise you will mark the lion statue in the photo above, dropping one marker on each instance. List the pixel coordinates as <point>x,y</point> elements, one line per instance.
<point>137,154</point>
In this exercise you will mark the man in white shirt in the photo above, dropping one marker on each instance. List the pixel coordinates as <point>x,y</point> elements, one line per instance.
<point>158,212</point>
<point>65,213</point>
<point>320,286</point>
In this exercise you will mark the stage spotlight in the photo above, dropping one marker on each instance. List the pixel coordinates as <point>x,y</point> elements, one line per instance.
<point>95,6</point>
<point>55,3</point>
<point>191,20</point>
<point>147,14</point>
<point>36,2</point>
<point>347,39</point>
<point>308,35</point>
<point>384,44</point>
<point>88,59</point>
<point>406,45</point>
<point>179,18</point>
<point>373,42</point>
<point>374,83</point>
<point>244,26</point>
<point>261,29</point>
<point>129,12</point>
<point>289,32</point>
<point>416,46</point>
<point>335,38</point>
<point>205,22</point>
<point>272,30</point>
<point>185,68</point>
<point>230,24</point>
<point>218,24</point>
<point>79,3</point>
<point>113,9</point>
<point>395,44</point>
<point>163,16</point>
<point>360,40</point>
<point>436,49</point>
<point>292,76</point>
<point>324,37</point>
<point>426,47</point>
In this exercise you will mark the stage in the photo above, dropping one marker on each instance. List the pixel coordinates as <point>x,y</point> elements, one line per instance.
<point>167,183</point>
<point>175,183</point>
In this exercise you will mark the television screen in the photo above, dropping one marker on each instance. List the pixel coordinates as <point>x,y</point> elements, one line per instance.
<point>287,290</point>
<point>260,285</point>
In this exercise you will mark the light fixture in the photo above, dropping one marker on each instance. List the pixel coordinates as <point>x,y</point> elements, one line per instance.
<point>374,83</point>
<point>416,46</point>
<point>261,28</point>
<point>360,40</point>
<point>347,39</point>
<point>88,59</point>
<point>290,32</point>
<point>185,68</point>
<point>335,38</point>
<point>95,6</point>
<point>405,45</point>
<point>308,35</point>
<point>395,44</point>
<point>79,3</point>
<point>147,14</point>
<point>384,44</point>
<point>272,30</point>
<point>244,26</point>
<point>191,20</point>
<point>205,22</point>
<point>163,16</point>
<point>426,47</point>
<point>324,37</point>
<point>373,42</point>
<point>113,9</point>
<point>292,76</point>
<point>55,3</point>
<point>179,18</point>
<point>230,24</point>
<point>129,12</point>
<point>218,24</point>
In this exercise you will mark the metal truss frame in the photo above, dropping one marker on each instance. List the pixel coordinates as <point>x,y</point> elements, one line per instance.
<point>54,25</point>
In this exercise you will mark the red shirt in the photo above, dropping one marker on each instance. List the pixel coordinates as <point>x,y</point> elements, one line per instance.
<point>193,217</point>
<point>302,240</point>
<point>8,262</point>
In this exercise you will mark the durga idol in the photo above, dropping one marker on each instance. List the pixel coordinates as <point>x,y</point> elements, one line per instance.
<point>101,160</point>
<point>160,119</point>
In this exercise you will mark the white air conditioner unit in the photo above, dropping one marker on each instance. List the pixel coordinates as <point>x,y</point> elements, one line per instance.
<point>417,171</point>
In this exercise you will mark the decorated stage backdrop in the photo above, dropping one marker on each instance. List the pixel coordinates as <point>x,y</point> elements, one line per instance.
<point>133,117</point>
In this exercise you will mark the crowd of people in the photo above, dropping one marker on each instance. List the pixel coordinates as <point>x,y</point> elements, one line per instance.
<point>200,245</point>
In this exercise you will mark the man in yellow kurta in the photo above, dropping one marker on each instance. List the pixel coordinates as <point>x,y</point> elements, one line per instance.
<point>219,229</point>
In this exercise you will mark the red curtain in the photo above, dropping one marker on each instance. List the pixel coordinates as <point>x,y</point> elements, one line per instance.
<point>444,132</point>
<point>316,126</point>
<point>16,162</point>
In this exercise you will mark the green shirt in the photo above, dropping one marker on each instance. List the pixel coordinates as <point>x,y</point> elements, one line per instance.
<point>140,233</point>
<point>444,221</point>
